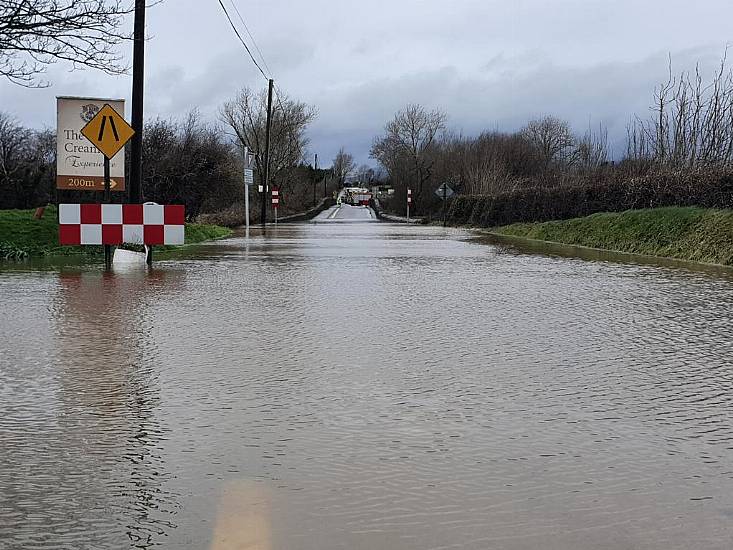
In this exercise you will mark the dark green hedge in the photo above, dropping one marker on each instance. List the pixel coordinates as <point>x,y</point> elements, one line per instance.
<point>699,188</point>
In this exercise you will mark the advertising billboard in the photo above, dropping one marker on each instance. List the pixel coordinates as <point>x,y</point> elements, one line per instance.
<point>79,164</point>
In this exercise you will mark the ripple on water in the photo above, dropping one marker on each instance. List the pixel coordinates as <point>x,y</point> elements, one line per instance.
<point>367,386</point>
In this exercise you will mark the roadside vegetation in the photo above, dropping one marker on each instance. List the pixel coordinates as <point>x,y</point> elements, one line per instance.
<point>686,233</point>
<point>22,236</point>
<point>680,155</point>
<point>185,161</point>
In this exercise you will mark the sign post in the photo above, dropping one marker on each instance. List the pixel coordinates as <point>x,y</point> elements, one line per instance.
<point>249,179</point>
<point>444,192</point>
<point>409,202</point>
<point>275,201</point>
<point>108,132</point>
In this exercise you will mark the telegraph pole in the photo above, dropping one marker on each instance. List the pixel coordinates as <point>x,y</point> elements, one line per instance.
<point>266,183</point>
<point>138,80</point>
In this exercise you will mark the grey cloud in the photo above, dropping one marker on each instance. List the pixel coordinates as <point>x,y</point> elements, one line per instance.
<point>490,64</point>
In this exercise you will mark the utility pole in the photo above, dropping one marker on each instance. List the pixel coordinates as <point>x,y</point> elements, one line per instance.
<point>315,176</point>
<point>266,183</point>
<point>138,81</point>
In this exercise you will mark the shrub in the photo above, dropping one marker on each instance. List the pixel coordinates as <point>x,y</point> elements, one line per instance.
<point>615,192</point>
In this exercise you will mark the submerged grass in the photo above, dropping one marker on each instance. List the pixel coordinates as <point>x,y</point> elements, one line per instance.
<point>22,236</point>
<point>686,233</point>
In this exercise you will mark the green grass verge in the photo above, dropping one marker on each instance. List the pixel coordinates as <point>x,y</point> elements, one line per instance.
<point>23,237</point>
<point>689,233</point>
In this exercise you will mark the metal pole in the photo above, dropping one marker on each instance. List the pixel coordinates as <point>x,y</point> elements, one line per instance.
<point>138,81</point>
<point>445,198</point>
<point>246,191</point>
<point>314,181</point>
<point>266,184</point>
<point>107,197</point>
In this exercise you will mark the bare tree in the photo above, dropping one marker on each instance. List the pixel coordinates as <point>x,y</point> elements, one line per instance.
<point>551,138</point>
<point>366,174</point>
<point>691,123</point>
<point>410,137</point>
<point>591,150</point>
<point>246,115</point>
<point>190,162</point>
<point>35,33</point>
<point>26,164</point>
<point>343,165</point>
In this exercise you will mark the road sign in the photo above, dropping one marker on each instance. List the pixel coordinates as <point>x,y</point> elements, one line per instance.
<point>113,224</point>
<point>445,191</point>
<point>108,131</point>
<point>249,176</point>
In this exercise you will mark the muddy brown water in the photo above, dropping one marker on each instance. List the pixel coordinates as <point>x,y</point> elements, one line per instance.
<point>370,386</point>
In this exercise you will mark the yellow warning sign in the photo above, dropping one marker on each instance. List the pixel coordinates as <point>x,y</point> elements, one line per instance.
<point>108,131</point>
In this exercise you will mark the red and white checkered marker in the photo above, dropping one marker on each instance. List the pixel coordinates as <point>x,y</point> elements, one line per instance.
<point>151,224</point>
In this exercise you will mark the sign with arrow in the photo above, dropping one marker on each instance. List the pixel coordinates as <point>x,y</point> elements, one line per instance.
<point>108,131</point>
<point>79,164</point>
<point>444,191</point>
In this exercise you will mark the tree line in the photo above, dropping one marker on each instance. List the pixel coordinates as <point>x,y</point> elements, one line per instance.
<point>687,137</point>
<point>187,161</point>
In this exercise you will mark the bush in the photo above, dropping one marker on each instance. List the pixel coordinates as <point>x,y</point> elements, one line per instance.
<point>230,217</point>
<point>709,188</point>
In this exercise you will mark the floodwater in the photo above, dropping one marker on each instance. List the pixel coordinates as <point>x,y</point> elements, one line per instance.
<point>366,386</point>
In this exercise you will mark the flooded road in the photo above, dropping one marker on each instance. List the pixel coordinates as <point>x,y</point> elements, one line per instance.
<point>366,386</point>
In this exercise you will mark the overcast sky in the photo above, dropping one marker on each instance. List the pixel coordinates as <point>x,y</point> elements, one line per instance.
<point>489,64</point>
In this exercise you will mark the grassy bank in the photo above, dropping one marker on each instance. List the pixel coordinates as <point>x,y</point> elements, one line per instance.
<point>686,233</point>
<point>22,237</point>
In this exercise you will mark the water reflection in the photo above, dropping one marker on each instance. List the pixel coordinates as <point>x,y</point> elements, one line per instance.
<point>82,450</point>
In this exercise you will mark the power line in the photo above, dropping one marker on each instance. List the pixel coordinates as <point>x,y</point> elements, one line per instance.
<point>252,57</point>
<point>246,28</point>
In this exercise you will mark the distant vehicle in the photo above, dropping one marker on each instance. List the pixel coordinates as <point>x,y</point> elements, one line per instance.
<point>357,196</point>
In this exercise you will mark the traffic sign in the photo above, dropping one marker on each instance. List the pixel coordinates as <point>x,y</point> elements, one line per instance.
<point>114,224</point>
<point>249,176</point>
<point>445,191</point>
<point>108,131</point>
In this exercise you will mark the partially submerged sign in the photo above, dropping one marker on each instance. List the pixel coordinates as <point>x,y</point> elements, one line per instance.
<point>108,131</point>
<point>114,224</point>
<point>445,191</point>
<point>79,164</point>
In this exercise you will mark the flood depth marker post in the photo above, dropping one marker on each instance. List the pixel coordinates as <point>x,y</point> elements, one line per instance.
<point>108,132</point>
